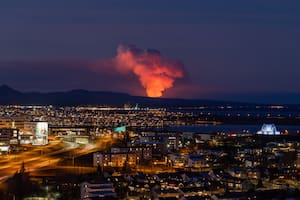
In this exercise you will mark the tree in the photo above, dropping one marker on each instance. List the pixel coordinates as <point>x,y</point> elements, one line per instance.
<point>20,184</point>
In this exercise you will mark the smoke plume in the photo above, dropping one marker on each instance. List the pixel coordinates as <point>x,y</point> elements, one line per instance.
<point>155,73</point>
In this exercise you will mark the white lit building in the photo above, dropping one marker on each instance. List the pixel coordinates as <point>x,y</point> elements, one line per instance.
<point>268,129</point>
<point>40,136</point>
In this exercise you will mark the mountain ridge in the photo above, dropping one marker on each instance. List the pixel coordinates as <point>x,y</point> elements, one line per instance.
<point>10,96</point>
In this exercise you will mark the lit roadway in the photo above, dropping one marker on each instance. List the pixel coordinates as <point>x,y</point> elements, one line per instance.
<point>39,158</point>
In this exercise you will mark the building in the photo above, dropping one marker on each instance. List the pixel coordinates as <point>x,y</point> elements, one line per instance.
<point>203,137</point>
<point>29,132</point>
<point>77,134</point>
<point>168,141</point>
<point>8,137</point>
<point>115,159</point>
<point>40,134</point>
<point>268,129</point>
<point>17,123</point>
<point>5,123</point>
<point>197,161</point>
<point>97,190</point>
<point>142,152</point>
<point>178,161</point>
<point>65,131</point>
<point>158,149</point>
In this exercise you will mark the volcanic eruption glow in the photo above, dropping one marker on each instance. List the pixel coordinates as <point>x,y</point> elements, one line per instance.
<point>155,73</point>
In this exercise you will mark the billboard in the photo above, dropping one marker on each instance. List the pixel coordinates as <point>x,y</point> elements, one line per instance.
<point>40,135</point>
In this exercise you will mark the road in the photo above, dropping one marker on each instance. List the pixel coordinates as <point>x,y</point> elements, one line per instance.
<point>38,158</point>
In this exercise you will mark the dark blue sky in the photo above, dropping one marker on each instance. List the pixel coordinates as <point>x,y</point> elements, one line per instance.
<point>227,46</point>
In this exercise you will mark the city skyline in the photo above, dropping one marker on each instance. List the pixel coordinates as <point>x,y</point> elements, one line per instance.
<point>140,100</point>
<point>238,48</point>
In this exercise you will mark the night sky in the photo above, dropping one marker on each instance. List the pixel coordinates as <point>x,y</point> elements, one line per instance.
<point>227,47</point>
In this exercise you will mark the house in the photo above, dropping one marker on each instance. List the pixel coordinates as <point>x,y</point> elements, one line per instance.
<point>197,161</point>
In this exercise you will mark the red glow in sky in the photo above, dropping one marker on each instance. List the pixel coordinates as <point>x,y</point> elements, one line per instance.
<point>155,73</point>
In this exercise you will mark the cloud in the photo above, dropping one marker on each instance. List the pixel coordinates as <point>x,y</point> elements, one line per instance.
<point>155,73</point>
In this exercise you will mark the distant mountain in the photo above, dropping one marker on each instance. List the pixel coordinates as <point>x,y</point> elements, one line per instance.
<point>10,96</point>
<point>7,91</point>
